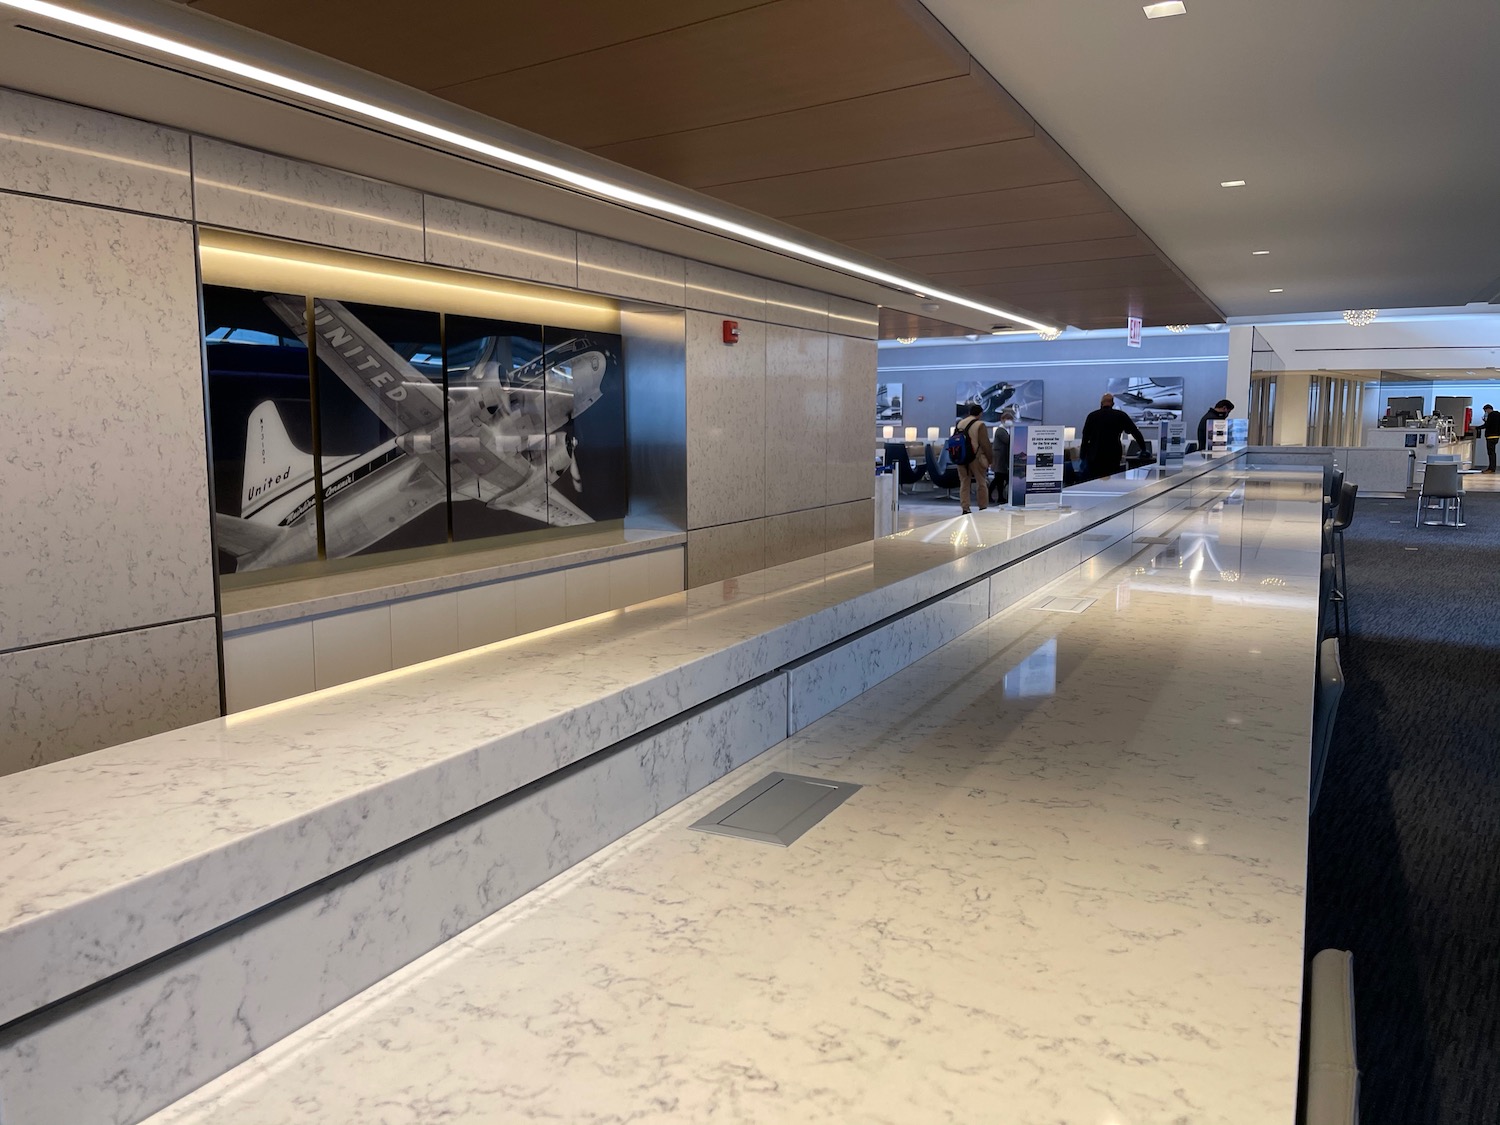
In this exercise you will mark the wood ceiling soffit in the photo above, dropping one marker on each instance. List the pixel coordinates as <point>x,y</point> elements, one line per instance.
<point>715,71</point>
<point>932,175</point>
<point>999,236</point>
<point>1043,201</point>
<point>928,117</point>
<point>463,40</point>
<point>895,324</point>
<point>1003,260</point>
<point>1146,267</point>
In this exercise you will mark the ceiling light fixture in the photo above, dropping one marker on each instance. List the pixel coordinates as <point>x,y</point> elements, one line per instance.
<point>1179,328</point>
<point>1222,183</point>
<point>593,185</point>
<point>1259,253</point>
<point>1164,8</point>
<point>1361,317</point>
<point>906,339</point>
<point>1275,290</point>
<point>1049,333</point>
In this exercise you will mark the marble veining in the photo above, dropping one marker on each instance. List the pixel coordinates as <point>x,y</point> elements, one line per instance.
<point>102,387</point>
<point>68,152</point>
<point>243,189</point>
<point>76,696</point>
<point>117,856</point>
<point>1068,892</point>
<point>477,238</point>
<point>170,1027</point>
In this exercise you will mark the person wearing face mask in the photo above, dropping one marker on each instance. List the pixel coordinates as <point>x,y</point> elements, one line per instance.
<point>1000,486</point>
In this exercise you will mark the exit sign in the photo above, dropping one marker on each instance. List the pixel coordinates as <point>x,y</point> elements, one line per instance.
<point>1133,324</point>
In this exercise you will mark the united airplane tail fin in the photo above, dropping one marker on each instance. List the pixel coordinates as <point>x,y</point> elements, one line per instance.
<point>273,464</point>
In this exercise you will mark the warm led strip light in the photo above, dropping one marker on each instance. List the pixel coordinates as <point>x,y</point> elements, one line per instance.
<point>591,184</point>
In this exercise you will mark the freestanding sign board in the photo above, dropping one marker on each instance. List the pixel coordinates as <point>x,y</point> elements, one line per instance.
<point>1133,326</point>
<point>1036,455</point>
<point>1218,435</point>
<point>1171,444</point>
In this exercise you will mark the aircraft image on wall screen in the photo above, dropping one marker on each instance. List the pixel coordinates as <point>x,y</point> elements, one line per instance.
<point>1148,399</point>
<point>509,437</point>
<point>1023,397</point>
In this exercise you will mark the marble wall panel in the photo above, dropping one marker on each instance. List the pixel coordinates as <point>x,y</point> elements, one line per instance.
<point>726,422</point>
<point>796,426</point>
<point>621,269</point>
<point>826,682</point>
<point>853,318</point>
<point>160,1031</point>
<point>797,307</point>
<point>67,152</point>
<point>477,238</point>
<point>101,384</point>
<point>716,554</point>
<point>265,665</point>
<point>60,700</point>
<point>849,523</point>
<point>727,292</point>
<point>851,390</point>
<point>795,535</point>
<point>243,189</point>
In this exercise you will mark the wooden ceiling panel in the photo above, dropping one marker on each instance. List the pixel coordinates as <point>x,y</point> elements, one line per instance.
<point>1039,232</point>
<point>770,59</point>
<point>858,225</point>
<point>462,40</point>
<point>1004,165</point>
<point>862,121</point>
<point>948,114</point>
<point>898,325</point>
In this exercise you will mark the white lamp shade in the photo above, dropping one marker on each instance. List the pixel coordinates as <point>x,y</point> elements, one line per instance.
<point>1069,433</point>
<point>911,433</point>
<point>932,433</point>
<point>888,432</point>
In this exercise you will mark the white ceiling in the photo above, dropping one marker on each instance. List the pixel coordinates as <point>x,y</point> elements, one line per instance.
<point>1366,131</point>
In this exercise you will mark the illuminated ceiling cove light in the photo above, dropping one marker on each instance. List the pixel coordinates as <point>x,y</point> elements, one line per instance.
<point>1222,183</point>
<point>1361,317</point>
<point>1165,8</point>
<point>1259,253</point>
<point>1275,290</point>
<point>1049,333</point>
<point>511,158</point>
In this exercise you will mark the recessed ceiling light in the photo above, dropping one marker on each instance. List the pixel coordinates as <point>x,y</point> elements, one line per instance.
<point>1231,183</point>
<point>1276,290</point>
<point>1164,8</point>
<point>1258,253</point>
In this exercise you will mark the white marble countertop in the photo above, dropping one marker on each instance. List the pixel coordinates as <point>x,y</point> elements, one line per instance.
<point>253,607</point>
<point>113,857</point>
<point>1070,891</point>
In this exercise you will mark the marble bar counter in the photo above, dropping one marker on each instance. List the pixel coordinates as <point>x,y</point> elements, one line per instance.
<point>1071,890</point>
<point>113,858</point>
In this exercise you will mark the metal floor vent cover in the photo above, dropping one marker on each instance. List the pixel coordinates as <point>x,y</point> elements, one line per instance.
<point>777,809</point>
<point>1054,604</point>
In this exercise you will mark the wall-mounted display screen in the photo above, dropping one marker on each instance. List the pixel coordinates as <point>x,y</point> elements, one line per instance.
<point>887,403</point>
<point>1023,397</point>
<point>428,426</point>
<point>1149,398</point>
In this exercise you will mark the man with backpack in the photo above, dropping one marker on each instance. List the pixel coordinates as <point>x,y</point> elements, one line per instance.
<point>970,452</point>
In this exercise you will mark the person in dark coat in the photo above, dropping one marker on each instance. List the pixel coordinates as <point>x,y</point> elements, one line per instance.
<point>1491,426</point>
<point>1215,413</point>
<point>1102,430</point>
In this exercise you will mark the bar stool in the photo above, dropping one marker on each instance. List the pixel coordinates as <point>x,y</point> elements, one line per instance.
<point>1343,516</point>
<point>1441,483</point>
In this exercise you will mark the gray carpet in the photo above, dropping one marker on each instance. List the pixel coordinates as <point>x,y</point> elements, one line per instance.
<point>1405,847</point>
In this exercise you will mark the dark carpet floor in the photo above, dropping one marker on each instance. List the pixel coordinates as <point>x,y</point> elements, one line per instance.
<point>1405,844</point>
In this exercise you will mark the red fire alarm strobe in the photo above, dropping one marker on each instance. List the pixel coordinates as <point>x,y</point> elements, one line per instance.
<point>731,332</point>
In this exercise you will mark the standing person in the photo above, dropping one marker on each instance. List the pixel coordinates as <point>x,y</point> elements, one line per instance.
<point>1100,445</point>
<point>1000,490</point>
<point>1217,412</point>
<point>973,472</point>
<point>1491,426</point>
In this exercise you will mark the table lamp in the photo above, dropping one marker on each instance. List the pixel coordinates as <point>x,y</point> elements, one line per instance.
<point>888,432</point>
<point>932,433</point>
<point>911,433</point>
